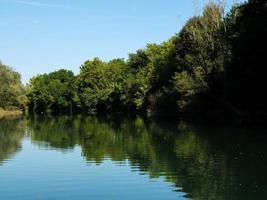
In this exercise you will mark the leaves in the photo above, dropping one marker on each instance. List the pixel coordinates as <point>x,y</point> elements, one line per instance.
<point>12,92</point>
<point>56,91</point>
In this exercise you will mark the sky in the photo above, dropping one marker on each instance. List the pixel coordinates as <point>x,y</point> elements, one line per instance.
<point>41,36</point>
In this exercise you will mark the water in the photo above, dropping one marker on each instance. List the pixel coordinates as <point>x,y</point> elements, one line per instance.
<point>109,158</point>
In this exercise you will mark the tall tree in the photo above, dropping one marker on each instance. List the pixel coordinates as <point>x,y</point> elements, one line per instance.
<point>12,92</point>
<point>246,73</point>
<point>201,51</point>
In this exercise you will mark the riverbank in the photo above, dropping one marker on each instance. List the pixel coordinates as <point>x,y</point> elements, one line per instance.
<point>7,113</point>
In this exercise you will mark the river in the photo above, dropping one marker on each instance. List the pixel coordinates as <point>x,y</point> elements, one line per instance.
<point>82,157</point>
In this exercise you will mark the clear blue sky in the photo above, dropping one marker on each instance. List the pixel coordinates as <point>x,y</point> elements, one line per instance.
<point>38,36</point>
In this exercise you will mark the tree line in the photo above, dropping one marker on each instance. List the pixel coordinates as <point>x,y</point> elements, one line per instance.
<point>213,68</point>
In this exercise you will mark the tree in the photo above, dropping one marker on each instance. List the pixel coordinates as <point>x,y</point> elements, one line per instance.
<point>200,52</point>
<point>54,91</point>
<point>12,92</point>
<point>102,84</point>
<point>246,71</point>
<point>155,66</point>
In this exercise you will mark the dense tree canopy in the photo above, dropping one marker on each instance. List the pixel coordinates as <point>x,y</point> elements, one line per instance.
<point>214,67</point>
<point>102,85</point>
<point>56,91</point>
<point>201,53</point>
<point>12,92</point>
<point>246,73</point>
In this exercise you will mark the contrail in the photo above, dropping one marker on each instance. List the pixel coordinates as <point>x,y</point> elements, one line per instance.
<point>39,4</point>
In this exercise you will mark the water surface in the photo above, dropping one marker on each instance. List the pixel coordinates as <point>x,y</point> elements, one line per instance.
<point>109,158</point>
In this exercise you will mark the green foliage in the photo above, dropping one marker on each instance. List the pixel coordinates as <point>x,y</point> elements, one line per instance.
<point>56,91</point>
<point>206,68</point>
<point>138,60</point>
<point>154,68</point>
<point>101,85</point>
<point>201,52</point>
<point>12,92</point>
<point>246,71</point>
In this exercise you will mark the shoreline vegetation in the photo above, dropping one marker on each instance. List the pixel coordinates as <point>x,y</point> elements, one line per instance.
<point>211,70</point>
<point>10,113</point>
